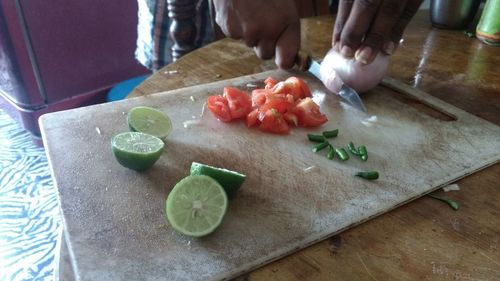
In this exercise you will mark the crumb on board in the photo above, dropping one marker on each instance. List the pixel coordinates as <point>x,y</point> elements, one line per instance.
<point>98,130</point>
<point>171,71</point>
<point>203,109</point>
<point>189,123</point>
<point>308,169</point>
<point>192,98</point>
<point>451,187</point>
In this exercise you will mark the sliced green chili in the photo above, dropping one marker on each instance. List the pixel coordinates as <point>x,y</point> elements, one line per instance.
<point>331,152</point>
<point>316,138</point>
<point>342,154</point>
<point>320,146</point>
<point>368,175</point>
<point>331,134</point>
<point>451,203</point>
<point>363,153</point>
<point>352,148</point>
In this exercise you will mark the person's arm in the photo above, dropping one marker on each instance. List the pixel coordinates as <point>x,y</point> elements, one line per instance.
<point>272,27</point>
<point>363,28</point>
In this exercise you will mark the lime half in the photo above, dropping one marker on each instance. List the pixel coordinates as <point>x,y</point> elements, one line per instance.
<point>149,121</point>
<point>231,181</point>
<point>196,206</point>
<point>136,151</point>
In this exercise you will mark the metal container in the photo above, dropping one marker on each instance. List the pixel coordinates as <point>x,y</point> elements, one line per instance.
<point>488,29</point>
<point>453,14</point>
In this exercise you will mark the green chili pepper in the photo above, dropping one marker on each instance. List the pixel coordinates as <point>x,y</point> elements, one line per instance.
<point>352,148</point>
<point>331,134</point>
<point>451,203</point>
<point>363,153</point>
<point>331,152</point>
<point>320,146</point>
<point>368,175</point>
<point>342,154</point>
<point>316,138</point>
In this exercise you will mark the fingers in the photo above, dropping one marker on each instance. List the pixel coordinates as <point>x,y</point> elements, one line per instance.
<point>225,19</point>
<point>409,11</point>
<point>288,46</point>
<point>365,27</point>
<point>342,15</point>
<point>358,23</point>
<point>265,49</point>
<point>380,31</point>
<point>250,35</point>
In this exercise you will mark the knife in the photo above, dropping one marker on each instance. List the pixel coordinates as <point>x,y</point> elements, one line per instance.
<point>348,94</point>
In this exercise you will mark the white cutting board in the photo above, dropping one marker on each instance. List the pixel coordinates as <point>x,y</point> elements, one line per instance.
<point>115,217</point>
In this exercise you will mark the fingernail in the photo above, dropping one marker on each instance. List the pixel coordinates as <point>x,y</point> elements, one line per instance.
<point>346,51</point>
<point>364,54</point>
<point>389,48</point>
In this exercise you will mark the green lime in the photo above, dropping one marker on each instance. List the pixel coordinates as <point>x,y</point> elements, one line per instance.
<point>231,181</point>
<point>149,121</point>
<point>137,151</point>
<point>196,205</point>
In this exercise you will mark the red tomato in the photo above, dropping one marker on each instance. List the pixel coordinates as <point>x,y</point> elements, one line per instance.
<point>259,97</point>
<point>288,88</point>
<point>273,122</point>
<point>291,118</point>
<point>218,105</point>
<point>308,113</point>
<point>301,84</point>
<point>252,118</point>
<point>270,82</point>
<point>281,104</point>
<point>274,109</point>
<point>239,102</point>
<point>282,88</point>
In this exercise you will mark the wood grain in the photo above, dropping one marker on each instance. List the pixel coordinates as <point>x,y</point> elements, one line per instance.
<point>422,240</point>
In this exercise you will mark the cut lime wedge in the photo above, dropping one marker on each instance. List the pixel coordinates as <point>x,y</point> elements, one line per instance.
<point>137,151</point>
<point>196,206</point>
<point>231,181</point>
<point>149,121</point>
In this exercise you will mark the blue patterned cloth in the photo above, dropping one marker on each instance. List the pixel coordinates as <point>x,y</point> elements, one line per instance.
<point>30,221</point>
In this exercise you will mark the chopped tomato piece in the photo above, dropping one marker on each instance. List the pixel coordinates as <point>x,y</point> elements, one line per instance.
<point>218,105</point>
<point>253,118</point>
<point>259,97</point>
<point>270,82</point>
<point>240,104</point>
<point>287,88</point>
<point>273,122</point>
<point>291,118</point>
<point>274,109</point>
<point>300,84</point>
<point>281,104</point>
<point>281,88</point>
<point>308,113</point>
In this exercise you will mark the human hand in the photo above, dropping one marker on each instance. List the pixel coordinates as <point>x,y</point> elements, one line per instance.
<point>363,28</point>
<point>272,27</point>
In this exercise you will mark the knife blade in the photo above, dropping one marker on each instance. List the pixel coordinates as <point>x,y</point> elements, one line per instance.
<point>348,94</point>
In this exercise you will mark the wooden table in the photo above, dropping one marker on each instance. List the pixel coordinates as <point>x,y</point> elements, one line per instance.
<point>422,240</point>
